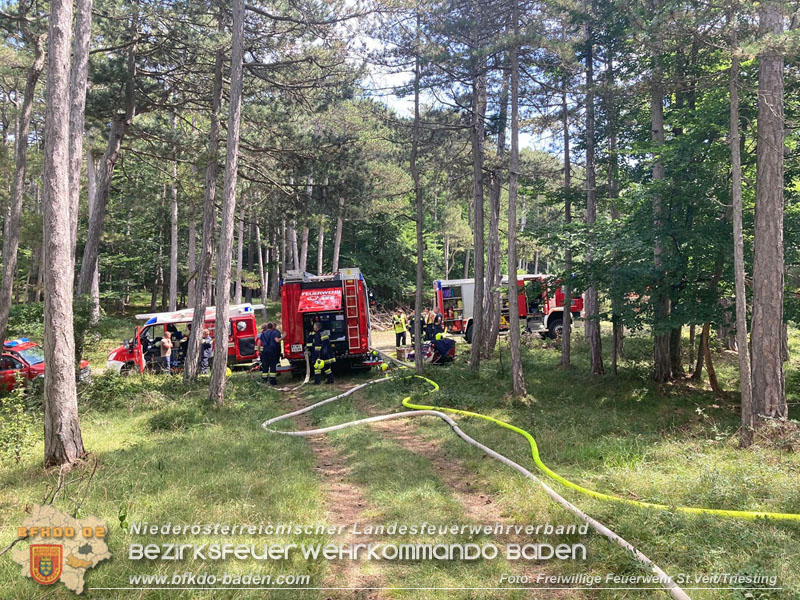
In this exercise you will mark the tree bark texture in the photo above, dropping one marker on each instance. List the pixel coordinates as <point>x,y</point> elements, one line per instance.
<point>63,443</point>
<point>216,392</point>
<point>769,397</point>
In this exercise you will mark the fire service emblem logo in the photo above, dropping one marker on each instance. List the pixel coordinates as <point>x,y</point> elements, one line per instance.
<point>46,562</point>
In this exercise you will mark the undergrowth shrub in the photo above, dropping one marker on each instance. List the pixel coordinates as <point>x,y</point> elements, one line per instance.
<point>16,422</point>
<point>110,391</point>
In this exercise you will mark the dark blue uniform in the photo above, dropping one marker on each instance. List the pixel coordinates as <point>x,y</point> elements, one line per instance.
<point>319,344</point>
<point>206,352</point>
<point>270,355</point>
<point>443,348</point>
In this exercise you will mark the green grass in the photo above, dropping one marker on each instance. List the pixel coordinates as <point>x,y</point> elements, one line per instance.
<point>164,455</point>
<point>626,437</point>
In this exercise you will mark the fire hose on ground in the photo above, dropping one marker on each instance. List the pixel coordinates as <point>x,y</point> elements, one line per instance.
<point>436,411</point>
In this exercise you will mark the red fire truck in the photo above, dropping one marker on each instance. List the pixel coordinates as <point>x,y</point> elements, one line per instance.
<point>340,303</point>
<point>142,351</point>
<point>538,310</point>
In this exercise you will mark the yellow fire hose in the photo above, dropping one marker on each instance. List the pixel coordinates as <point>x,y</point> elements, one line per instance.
<point>740,514</point>
<point>663,578</point>
<point>439,411</point>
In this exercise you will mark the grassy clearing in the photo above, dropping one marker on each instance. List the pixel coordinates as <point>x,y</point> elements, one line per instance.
<point>626,437</point>
<point>164,455</point>
<point>402,486</point>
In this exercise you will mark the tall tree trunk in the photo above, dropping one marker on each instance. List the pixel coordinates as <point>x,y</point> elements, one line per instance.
<point>304,234</point>
<point>293,246</point>
<point>94,291</point>
<point>592,316</point>
<point>191,259</point>
<point>237,295</point>
<point>202,289</point>
<point>278,261</point>
<point>446,256</point>
<point>33,275</point>
<point>320,244</point>
<point>493,275</point>
<point>517,375</point>
<point>566,323</point>
<point>173,237</point>
<point>337,240</point>
<point>705,348</point>
<point>63,443</point>
<point>675,352</point>
<point>466,263</point>
<point>769,395</point>
<point>304,249</point>
<point>697,373</point>
<point>418,204</point>
<point>662,371</point>
<point>119,127</point>
<point>283,246</point>
<point>12,221</point>
<point>262,275</point>
<point>745,380</point>
<point>216,391</point>
<point>477,138</point>
<point>78,81</point>
<point>251,261</point>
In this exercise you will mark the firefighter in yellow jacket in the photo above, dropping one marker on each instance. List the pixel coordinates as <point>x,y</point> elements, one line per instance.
<point>319,345</point>
<point>399,325</point>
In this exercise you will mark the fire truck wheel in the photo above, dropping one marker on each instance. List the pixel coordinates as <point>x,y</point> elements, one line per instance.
<point>554,328</point>
<point>468,333</point>
<point>126,369</point>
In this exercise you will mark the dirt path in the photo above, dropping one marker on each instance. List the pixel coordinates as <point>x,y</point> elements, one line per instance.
<point>345,504</point>
<point>478,504</point>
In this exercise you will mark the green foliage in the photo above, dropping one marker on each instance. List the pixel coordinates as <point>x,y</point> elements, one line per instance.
<point>109,391</point>
<point>16,422</point>
<point>26,320</point>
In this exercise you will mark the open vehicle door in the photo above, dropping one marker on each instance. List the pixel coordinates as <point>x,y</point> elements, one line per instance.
<point>138,354</point>
<point>8,372</point>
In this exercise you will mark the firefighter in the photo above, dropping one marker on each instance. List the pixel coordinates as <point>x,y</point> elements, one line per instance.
<point>319,345</point>
<point>443,346</point>
<point>269,340</point>
<point>438,323</point>
<point>399,325</point>
<point>429,317</point>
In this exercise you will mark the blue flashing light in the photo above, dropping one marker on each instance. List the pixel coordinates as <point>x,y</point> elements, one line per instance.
<point>11,344</point>
<point>151,320</point>
<point>248,308</point>
<point>24,340</point>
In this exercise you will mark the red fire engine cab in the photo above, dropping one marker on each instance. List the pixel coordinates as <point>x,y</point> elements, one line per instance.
<point>142,351</point>
<point>340,303</point>
<point>539,311</point>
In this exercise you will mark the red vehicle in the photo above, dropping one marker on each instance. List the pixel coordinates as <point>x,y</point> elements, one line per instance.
<point>142,352</point>
<point>340,303</point>
<point>26,358</point>
<point>543,313</point>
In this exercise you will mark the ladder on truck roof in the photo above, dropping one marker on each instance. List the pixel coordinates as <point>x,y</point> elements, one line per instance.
<point>351,313</point>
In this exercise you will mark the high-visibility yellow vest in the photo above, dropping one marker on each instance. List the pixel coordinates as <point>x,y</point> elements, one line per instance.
<point>399,323</point>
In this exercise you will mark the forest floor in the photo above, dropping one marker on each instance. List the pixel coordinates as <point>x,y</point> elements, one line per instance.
<point>163,455</point>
